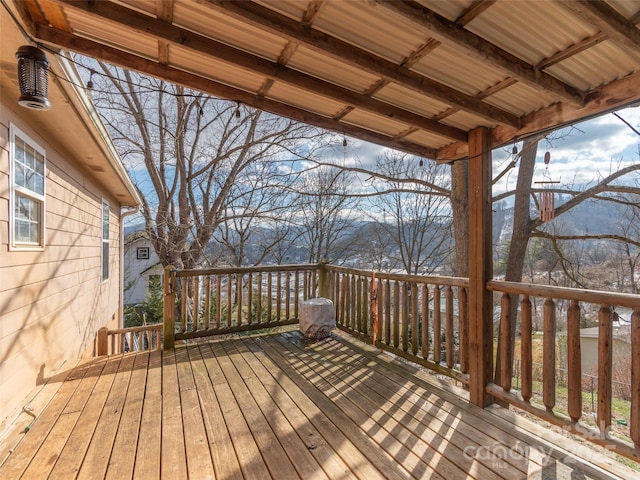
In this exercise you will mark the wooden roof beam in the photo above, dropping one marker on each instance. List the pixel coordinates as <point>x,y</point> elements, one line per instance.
<point>452,33</point>
<point>129,61</point>
<point>609,21</point>
<point>268,20</point>
<point>608,98</point>
<point>280,73</point>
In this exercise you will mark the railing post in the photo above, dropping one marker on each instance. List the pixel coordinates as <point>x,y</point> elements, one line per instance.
<point>168,309</point>
<point>635,377</point>
<point>102,346</point>
<point>322,280</point>
<point>480,267</point>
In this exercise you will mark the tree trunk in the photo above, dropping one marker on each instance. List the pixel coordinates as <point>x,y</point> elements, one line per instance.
<point>460,208</point>
<point>522,224</point>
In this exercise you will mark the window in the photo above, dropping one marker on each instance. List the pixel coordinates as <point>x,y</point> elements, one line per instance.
<point>27,201</point>
<point>105,240</point>
<point>142,253</point>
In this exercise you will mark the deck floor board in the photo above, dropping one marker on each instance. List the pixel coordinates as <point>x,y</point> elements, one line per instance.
<point>283,407</point>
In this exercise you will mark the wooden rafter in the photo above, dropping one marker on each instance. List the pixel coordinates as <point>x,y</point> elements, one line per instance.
<point>609,21</point>
<point>472,12</point>
<point>268,20</point>
<point>573,50</point>
<point>141,23</point>
<point>609,97</point>
<point>487,52</point>
<point>114,56</point>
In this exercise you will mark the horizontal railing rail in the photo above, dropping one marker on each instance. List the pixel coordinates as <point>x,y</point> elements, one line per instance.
<point>215,301</point>
<point>573,306</point>
<point>132,339</point>
<point>421,318</point>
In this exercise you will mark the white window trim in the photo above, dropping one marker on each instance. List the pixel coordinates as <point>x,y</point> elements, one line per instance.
<point>103,240</point>
<point>13,246</point>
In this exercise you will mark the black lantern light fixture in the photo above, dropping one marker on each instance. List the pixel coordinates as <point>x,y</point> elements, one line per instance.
<point>33,78</point>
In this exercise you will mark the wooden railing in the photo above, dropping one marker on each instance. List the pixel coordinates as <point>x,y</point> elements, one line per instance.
<point>426,320</point>
<point>573,304</point>
<point>206,302</point>
<point>133,339</point>
<point>420,318</point>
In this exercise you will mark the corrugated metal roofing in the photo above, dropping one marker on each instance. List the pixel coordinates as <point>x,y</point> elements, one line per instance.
<point>412,75</point>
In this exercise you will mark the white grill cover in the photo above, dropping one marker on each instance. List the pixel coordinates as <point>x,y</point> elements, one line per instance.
<point>317,318</point>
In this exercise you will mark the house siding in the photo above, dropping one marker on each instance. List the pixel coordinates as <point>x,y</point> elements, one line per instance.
<point>52,302</point>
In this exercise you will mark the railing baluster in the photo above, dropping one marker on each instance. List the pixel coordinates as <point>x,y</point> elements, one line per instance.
<point>269,296</point>
<point>352,303</point>
<point>343,300</point>
<point>196,302</point>
<point>380,310</point>
<point>218,299</point>
<point>229,299</point>
<point>278,295</point>
<point>396,314</point>
<point>414,318</point>
<point>238,302</point>
<point>249,298</point>
<point>364,305</point>
<point>448,295</point>
<point>574,367</point>
<point>425,321</point>
<point>358,302</point>
<point>526,350</point>
<point>347,305</point>
<point>259,298</point>
<point>387,312</point>
<point>184,301</point>
<point>207,301</point>
<point>463,326</point>
<point>287,283</point>
<point>305,286</point>
<point>605,364</point>
<point>549,355</point>
<point>297,293</point>
<point>405,316</point>
<point>506,355</point>
<point>437,330</point>
<point>635,377</point>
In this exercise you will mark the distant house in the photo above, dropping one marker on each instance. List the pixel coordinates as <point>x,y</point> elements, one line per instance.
<point>621,345</point>
<point>141,264</point>
<point>63,194</point>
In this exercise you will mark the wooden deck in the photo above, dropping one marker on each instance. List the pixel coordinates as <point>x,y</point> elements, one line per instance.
<point>280,406</point>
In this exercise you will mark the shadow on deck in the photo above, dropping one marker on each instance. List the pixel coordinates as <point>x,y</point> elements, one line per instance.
<point>280,406</point>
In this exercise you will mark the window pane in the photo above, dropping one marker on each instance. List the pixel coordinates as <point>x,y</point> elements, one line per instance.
<point>27,220</point>
<point>105,260</point>
<point>105,221</point>
<point>39,184</point>
<point>19,173</point>
<point>39,164</point>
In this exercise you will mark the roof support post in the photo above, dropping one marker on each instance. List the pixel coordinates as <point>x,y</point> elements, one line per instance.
<point>480,267</point>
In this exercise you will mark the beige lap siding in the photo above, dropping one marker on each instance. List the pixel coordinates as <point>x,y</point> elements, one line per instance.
<point>53,301</point>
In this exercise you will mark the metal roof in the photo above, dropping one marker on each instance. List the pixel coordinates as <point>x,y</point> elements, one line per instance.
<point>413,75</point>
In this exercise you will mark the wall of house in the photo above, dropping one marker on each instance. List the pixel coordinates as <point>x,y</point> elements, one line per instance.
<point>52,302</point>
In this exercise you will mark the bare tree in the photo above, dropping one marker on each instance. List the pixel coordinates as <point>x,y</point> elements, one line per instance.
<point>419,224</point>
<point>325,212</point>
<point>186,151</point>
<point>258,211</point>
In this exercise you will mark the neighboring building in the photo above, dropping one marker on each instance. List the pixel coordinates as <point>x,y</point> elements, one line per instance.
<point>62,191</point>
<point>621,347</point>
<point>140,264</point>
